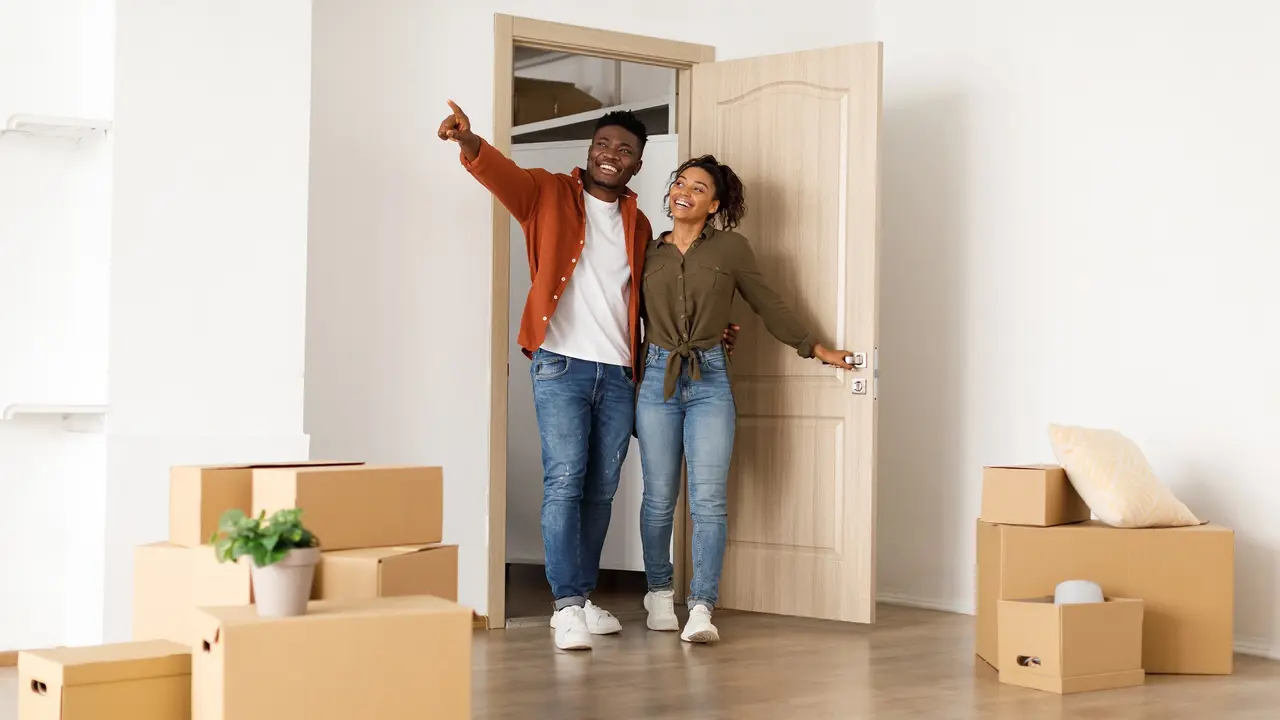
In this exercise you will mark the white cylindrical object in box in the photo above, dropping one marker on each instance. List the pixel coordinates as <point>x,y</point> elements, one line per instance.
<point>1073,592</point>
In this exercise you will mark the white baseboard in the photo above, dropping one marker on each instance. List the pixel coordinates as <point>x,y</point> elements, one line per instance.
<point>1255,647</point>
<point>901,600</point>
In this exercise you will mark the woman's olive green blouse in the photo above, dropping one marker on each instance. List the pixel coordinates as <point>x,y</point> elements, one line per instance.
<point>688,299</point>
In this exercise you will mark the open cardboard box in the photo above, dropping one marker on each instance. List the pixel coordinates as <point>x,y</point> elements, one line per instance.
<point>1071,648</point>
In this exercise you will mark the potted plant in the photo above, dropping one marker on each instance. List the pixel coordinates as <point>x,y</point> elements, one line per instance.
<point>284,557</point>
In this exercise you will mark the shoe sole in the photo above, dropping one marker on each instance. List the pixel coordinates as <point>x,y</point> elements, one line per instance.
<point>703,636</point>
<point>611,631</point>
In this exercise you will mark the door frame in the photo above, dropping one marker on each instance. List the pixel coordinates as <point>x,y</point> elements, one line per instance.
<point>509,32</point>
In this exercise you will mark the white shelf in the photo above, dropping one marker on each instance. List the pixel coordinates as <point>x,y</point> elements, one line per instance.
<point>589,116</point>
<point>55,127</point>
<point>75,418</point>
<point>15,410</point>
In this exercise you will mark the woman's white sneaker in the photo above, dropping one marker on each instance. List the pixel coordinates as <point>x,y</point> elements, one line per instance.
<point>570,624</point>
<point>662,611</point>
<point>699,628</point>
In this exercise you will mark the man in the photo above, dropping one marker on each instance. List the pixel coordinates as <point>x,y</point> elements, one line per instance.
<point>586,241</point>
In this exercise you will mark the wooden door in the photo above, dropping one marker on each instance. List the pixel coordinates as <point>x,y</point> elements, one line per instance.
<point>802,130</point>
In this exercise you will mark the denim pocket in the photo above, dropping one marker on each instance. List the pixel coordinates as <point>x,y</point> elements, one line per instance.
<point>630,375</point>
<point>549,366</point>
<point>651,358</point>
<point>715,360</point>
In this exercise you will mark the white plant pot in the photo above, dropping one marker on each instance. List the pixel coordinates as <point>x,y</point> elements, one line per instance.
<point>283,589</point>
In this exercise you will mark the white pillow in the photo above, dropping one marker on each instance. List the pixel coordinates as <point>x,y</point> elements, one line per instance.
<point>1115,479</point>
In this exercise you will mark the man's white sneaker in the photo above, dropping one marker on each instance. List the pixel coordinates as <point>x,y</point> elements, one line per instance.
<point>601,621</point>
<point>571,629</point>
<point>699,628</point>
<point>662,611</point>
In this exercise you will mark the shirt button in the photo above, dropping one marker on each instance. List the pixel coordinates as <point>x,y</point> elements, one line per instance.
<point>574,260</point>
<point>544,319</point>
<point>555,297</point>
<point>563,279</point>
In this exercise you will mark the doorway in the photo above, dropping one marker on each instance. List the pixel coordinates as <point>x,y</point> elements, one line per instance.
<point>802,130</point>
<point>557,99</point>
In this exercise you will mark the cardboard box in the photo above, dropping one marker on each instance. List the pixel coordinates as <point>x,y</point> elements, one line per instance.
<point>1184,576</point>
<point>535,100</point>
<point>129,681</point>
<point>358,506</point>
<point>171,581</point>
<point>401,657</point>
<point>388,572</point>
<point>1071,648</point>
<point>199,494</point>
<point>1030,495</point>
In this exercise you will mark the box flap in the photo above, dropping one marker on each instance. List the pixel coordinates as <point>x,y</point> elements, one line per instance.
<point>1032,466</point>
<point>1101,638</point>
<point>217,620</point>
<point>324,610</point>
<point>288,464</point>
<point>116,663</point>
<point>344,467</point>
<point>382,553</point>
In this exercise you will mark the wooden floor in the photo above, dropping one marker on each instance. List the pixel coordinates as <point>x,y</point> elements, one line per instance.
<point>911,664</point>
<point>529,595</point>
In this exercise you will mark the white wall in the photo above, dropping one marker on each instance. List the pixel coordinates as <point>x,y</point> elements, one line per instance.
<point>399,297</point>
<point>1079,226</point>
<point>208,291</point>
<point>55,196</point>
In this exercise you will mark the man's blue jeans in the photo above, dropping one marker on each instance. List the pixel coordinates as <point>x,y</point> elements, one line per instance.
<point>586,411</point>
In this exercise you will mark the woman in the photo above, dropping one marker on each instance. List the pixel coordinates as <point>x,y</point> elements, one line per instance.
<point>685,406</point>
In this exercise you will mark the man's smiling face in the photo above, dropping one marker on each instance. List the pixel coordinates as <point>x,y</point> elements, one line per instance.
<point>614,157</point>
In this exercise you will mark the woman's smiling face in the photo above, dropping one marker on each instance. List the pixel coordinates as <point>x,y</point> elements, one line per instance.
<point>693,196</point>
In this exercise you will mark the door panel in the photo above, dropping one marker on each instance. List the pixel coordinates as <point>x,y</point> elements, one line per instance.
<point>802,130</point>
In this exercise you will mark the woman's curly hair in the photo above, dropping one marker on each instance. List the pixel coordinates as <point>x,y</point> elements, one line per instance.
<point>729,191</point>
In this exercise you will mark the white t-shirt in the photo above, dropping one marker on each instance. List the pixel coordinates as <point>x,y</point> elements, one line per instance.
<point>590,321</point>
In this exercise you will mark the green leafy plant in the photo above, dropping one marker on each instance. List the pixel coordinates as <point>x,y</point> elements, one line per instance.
<point>265,539</point>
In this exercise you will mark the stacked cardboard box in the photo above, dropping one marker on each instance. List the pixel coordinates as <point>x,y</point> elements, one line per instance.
<point>379,528</point>
<point>383,636</point>
<point>397,657</point>
<point>139,681</point>
<point>1035,532</point>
